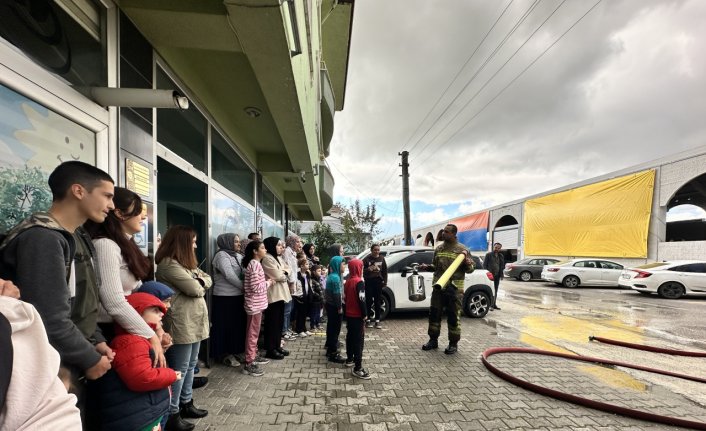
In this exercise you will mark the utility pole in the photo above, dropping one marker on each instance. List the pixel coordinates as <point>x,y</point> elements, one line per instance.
<point>405,197</point>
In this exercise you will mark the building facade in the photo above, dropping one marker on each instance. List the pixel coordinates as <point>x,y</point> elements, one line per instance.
<point>218,113</point>
<point>621,215</point>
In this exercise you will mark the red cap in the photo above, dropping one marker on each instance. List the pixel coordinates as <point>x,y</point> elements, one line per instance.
<point>141,301</point>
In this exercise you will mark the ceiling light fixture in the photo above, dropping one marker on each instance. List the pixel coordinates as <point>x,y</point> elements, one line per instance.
<point>252,112</point>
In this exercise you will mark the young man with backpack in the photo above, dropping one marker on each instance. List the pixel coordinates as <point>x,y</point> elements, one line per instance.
<point>50,262</point>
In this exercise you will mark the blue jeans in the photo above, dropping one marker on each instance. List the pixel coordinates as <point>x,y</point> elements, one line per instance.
<point>182,357</point>
<point>287,316</point>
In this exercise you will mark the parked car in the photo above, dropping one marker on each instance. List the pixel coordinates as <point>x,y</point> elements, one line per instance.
<point>670,280</point>
<point>527,269</point>
<point>391,249</point>
<point>395,296</point>
<point>583,272</point>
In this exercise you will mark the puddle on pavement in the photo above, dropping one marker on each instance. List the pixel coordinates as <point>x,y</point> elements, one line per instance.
<point>612,377</point>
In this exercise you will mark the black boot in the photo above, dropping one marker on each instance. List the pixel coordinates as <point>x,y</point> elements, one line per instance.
<point>189,411</point>
<point>282,351</point>
<point>431,344</point>
<point>176,423</point>
<point>453,348</point>
<point>199,382</point>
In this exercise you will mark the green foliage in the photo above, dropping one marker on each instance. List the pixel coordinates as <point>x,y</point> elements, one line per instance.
<point>359,226</point>
<point>22,192</point>
<point>322,237</point>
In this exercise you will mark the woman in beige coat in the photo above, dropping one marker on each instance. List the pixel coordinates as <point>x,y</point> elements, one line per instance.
<point>186,320</point>
<point>277,295</point>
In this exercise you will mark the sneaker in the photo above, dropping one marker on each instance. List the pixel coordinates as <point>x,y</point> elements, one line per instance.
<point>361,374</point>
<point>230,361</point>
<point>252,370</point>
<point>259,360</point>
<point>369,324</point>
<point>287,336</point>
<point>378,325</point>
<point>240,357</point>
<point>349,363</point>
<point>303,334</point>
<point>308,334</point>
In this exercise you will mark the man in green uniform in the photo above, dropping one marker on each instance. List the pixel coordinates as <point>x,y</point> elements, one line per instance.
<point>448,297</point>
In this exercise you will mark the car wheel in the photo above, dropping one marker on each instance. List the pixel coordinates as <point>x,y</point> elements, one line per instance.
<point>476,303</point>
<point>571,281</point>
<point>384,306</point>
<point>525,276</point>
<point>671,290</point>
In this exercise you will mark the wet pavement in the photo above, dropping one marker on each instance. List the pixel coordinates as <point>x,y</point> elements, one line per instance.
<point>415,390</point>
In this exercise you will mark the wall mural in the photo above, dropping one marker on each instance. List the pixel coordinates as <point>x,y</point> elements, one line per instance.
<point>33,141</point>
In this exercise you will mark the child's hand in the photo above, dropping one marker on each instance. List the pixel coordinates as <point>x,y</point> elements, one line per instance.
<point>178,374</point>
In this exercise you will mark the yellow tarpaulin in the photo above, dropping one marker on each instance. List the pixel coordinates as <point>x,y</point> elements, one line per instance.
<point>606,219</point>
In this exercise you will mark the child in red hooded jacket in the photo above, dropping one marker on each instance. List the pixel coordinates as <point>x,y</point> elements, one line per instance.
<point>355,311</point>
<point>134,395</point>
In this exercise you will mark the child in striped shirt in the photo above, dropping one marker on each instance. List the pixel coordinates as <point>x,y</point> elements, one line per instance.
<point>255,290</point>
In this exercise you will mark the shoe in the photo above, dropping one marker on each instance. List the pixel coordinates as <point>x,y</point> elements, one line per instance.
<point>336,358</point>
<point>199,382</point>
<point>378,325</point>
<point>259,360</point>
<point>495,307</point>
<point>282,352</point>
<point>302,335</point>
<point>230,361</point>
<point>369,324</point>
<point>308,334</point>
<point>176,423</point>
<point>361,374</point>
<point>252,370</point>
<point>273,354</point>
<point>289,337</point>
<point>451,349</point>
<point>189,411</point>
<point>431,344</point>
<point>240,357</point>
<point>349,363</point>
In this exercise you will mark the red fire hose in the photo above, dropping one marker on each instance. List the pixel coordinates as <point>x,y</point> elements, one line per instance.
<point>611,408</point>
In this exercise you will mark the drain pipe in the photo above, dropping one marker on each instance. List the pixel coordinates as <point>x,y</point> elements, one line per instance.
<point>598,405</point>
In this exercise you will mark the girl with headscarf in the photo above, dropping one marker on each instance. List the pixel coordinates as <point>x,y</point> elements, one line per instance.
<point>334,308</point>
<point>309,250</point>
<point>228,318</point>
<point>277,295</point>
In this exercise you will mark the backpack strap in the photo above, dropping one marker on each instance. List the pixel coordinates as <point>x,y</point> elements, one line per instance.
<point>6,357</point>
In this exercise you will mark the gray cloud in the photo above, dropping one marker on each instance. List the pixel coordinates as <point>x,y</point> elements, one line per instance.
<point>624,87</point>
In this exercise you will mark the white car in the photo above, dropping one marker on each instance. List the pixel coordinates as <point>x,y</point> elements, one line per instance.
<point>477,298</point>
<point>392,249</point>
<point>583,272</point>
<point>670,280</point>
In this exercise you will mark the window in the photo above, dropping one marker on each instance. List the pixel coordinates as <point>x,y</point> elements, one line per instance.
<point>534,262</point>
<point>267,202</point>
<point>230,170</point>
<point>609,265</point>
<point>412,258</point>
<point>691,267</point>
<point>43,31</point>
<point>182,131</point>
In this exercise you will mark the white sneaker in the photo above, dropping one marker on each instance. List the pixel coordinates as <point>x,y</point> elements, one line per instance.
<point>309,333</point>
<point>302,335</point>
<point>231,361</point>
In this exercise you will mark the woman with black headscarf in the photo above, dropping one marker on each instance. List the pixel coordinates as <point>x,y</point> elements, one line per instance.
<point>309,250</point>
<point>228,314</point>
<point>277,295</point>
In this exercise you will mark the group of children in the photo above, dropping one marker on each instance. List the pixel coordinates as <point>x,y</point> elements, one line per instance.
<point>313,289</point>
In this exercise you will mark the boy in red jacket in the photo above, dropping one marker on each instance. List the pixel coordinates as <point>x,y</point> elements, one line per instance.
<point>355,310</point>
<point>133,394</point>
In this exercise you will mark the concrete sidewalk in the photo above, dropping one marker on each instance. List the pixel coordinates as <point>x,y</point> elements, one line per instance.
<point>413,389</point>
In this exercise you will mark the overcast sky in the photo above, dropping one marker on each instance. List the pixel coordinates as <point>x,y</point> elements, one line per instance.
<point>626,85</point>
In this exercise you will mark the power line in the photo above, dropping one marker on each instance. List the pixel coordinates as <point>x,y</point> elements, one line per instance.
<point>517,77</point>
<point>460,111</point>
<point>487,60</point>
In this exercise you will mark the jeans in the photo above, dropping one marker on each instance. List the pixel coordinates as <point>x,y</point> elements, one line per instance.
<point>373,291</point>
<point>333,329</point>
<point>253,332</point>
<point>182,357</point>
<point>287,323</point>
